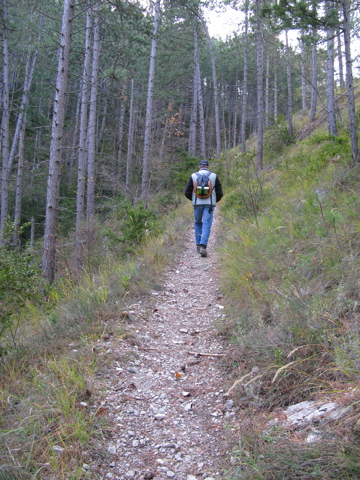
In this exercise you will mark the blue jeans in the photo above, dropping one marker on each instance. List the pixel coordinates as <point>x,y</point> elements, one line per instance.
<point>203,215</point>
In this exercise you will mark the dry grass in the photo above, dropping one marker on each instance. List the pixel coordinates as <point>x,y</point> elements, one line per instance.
<point>50,424</point>
<point>291,277</point>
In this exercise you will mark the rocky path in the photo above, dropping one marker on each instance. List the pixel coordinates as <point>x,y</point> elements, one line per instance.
<point>165,393</point>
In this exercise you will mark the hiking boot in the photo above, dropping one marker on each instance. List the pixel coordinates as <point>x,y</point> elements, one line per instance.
<point>203,251</point>
<point>198,248</point>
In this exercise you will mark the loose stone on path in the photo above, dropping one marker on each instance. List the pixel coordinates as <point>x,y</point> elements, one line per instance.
<point>167,404</point>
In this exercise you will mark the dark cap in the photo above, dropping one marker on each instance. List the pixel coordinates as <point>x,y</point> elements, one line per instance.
<point>204,163</point>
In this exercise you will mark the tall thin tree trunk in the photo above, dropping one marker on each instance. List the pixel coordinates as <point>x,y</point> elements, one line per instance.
<point>340,63</point>
<point>19,183</point>
<point>201,117</point>
<point>200,102</point>
<point>5,126</point>
<point>314,74</point>
<point>260,82</point>
<point>120,135</point>
<point>275,94</point>
<point>235,111</point>
<point>303,74</point>
<point>330,76</point>
<point>267,91</point>
<point>53,184</point>
<point>73,151</point>
<point>130,135</point>
<point>148,117</point>
<point>91,132</point>
<point>289,87</point>
<point>82,153</point>
<point>194,106</point>
<point>216,95</point>
<point>245,83</point>
<point>349,82</point>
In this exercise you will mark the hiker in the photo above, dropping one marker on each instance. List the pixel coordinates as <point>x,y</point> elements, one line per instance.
<point>204,190</point>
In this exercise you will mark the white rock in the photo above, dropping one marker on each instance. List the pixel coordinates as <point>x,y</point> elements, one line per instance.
<point>306,412</point>
<point>188,406</point>
<point>314,436</point>
<point>170,474</point>
<point>160,416</point>
<point>57,449</point>
<point>112,450</point>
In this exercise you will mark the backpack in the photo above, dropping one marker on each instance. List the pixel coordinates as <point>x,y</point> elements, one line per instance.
<point>202,185</point>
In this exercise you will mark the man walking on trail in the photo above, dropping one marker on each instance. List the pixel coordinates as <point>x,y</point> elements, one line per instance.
<point>204,199</point>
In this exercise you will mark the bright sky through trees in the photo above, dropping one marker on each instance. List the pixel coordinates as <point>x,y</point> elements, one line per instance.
<point>225,23</point>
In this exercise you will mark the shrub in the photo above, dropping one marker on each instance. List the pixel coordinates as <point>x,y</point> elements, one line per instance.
<point>135,224</point>
<point>19,283</point>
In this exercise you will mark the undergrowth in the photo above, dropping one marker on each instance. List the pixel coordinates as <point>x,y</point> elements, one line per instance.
<point>52,423</point>
<point>290,270</point>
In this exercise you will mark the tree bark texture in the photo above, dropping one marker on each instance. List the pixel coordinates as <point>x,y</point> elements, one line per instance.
<point>148,117</point>
<point>349,82</point>
<point>91,131</point>
<point>57,129</point>
<point>82,151</point>
<point>289,87</point>
<point>314,75</point>
<point>245,84</point>
<point>331,109</point>
<point>215,85</point>
<point>130,135</point>
<point>260,87</point>
<point>5,127</point>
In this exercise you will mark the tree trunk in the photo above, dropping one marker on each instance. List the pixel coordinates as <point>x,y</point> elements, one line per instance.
<point>245,84</point>
<point>235,111</point>
<point>289,87</point>
<point>275,94</point>
<point>82,153</point>
<point>5,127</point>
<point>314,75</point>
<point>200,102</point>
<point>148,117</point>
<point>267,93</point>
<point>216,95</point>
<point>91,132</point>
<point>303,75</point>
<point>340,63</point>
<point>201,116</point>
<point>130,135</point>
<point>120,135</point>
<point>18,194</point>
<point>194,106</point>
<point>260,82</point>
<point>349,82</point>
<point>330,77</point>
<point>53,184</point>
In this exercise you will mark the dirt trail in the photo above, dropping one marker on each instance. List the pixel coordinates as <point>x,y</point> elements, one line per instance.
<point>165,392</point>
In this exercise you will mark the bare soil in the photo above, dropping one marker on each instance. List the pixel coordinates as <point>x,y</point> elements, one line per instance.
<point>165,384</point>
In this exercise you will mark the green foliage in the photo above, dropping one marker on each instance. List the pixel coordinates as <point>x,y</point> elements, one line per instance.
<point>292,279</point>
<point>20,282</point>
<point>247,195</point>
<point>134,224</point>
<point>276,139</point>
